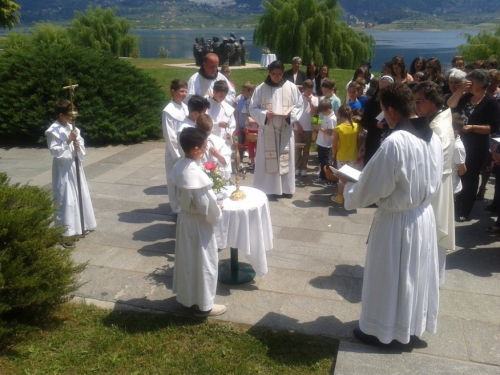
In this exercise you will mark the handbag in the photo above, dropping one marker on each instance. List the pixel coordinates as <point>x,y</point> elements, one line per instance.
<point>329,174</point>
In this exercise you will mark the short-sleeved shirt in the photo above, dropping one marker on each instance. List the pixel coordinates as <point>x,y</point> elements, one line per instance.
<point>353,105</point>
<point>334,99</point>
<point>458,158</point>
<point>329,123</point>
<point>239,107</point>
<point>348,141</point>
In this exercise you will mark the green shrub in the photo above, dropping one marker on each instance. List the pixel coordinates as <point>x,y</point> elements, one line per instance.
<point>36,274</point>
<point>117,103</point>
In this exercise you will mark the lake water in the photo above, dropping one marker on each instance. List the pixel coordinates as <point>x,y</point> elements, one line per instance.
<point>409,44</point>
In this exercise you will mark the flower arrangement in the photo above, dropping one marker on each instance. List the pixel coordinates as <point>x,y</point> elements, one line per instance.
<point>215,175</point>
<point>266,50</point>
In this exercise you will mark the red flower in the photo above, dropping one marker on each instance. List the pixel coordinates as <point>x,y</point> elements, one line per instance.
<point>209,166</point>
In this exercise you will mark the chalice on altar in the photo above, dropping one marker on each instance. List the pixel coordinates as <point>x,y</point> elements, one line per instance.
<point>237,195</point>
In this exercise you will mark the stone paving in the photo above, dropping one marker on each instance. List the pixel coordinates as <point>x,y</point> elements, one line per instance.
<point>315,269</point>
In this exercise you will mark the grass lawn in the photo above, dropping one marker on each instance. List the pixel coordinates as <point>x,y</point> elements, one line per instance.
<point>87,340</point>
<point>165,74</point>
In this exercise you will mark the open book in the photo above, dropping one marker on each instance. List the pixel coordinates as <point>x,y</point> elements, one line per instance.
<point>349,173</point>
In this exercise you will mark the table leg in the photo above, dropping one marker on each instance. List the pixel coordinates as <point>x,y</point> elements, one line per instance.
<point>235,273</point>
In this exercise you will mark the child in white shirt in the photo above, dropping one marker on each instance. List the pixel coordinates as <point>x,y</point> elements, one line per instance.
<point>324,139</point>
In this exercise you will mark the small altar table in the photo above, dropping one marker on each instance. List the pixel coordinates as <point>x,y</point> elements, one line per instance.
<point>266,59</point>
<point>245,225</point>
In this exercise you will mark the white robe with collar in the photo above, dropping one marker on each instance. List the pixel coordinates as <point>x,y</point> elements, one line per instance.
<point>196,254</point>
<point>443,204</point>
<point>196,82</point>
<point>401,278</point>
<point>173,117</point>
<point>222,112</point>
<point>221,146</point>
<point>64,181</point>
<point>274,183</point>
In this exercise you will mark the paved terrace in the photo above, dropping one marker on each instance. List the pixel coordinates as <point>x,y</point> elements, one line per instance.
<point>315,269</point>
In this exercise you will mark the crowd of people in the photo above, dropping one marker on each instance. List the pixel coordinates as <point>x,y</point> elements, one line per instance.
<point>420,137</point>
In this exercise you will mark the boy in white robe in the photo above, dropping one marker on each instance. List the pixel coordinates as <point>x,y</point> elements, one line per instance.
<point>173,116</point>
<point>65,144</point>
<point>217,150</point>
<point>400,296</point>
<point>196,254</point>
<point>275,104</point>
<point>222,113</point>
<point>197,105</point>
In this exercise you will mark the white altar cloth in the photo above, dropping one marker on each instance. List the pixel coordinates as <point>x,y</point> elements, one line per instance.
<point>266,59</point>
<point>246,225</point>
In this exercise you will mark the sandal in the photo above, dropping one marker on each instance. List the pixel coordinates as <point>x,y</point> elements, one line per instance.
<point>493,229</point>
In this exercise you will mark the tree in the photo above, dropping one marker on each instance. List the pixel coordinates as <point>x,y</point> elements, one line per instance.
<point>481,46</point>
<point>312,30</point>
<point>9,14</point>
<point>117,102</point>
<point>101,29</point>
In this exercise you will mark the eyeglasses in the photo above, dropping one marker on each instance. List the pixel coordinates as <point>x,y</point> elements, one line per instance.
<point>276,75</point>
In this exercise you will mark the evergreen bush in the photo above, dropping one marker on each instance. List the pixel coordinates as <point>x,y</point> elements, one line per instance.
<point>117,102</point>
<point>36,274</point>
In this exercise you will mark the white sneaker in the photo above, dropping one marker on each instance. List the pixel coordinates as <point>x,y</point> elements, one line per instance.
<point>297,172</point>
<point>303,173</point>
<point>216,311</point>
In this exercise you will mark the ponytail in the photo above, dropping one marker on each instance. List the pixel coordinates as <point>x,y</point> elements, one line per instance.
<point>346,112</point>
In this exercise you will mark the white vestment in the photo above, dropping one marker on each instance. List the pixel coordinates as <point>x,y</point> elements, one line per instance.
<point>220,145</point>
<point>443,203</point>
<point>198,85</point>
<point>401,278</point>
<point>173,116</point>
<point>196,254</point>
<point>275,183</point>
<point>222,112</point>
<point>64,181</point>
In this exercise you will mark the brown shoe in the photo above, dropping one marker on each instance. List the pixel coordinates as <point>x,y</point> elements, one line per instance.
<point>216,311</point>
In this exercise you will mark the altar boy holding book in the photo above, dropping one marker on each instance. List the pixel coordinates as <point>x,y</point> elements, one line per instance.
<point>196,257</point>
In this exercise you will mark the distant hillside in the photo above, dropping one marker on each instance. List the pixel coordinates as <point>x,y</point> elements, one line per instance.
<point>378,12</point>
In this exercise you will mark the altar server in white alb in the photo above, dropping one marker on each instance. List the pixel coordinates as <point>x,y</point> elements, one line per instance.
<point>400,296</point>
<point>222,114</point>
<point>202,83</point>
<point>173,116</point>
<point>217,151</point>
<point>197,105</point>
<point>65,143</point>
<point>196,254</point>
<point>429,104</point>
<point>275,104</point>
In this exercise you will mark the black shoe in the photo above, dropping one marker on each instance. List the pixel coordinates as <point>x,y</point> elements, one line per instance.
<point>272,197</point>
<point>287,196</point>
<point>369,339</point>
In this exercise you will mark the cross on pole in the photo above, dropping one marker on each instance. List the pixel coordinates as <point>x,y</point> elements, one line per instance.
<point>71,89</point>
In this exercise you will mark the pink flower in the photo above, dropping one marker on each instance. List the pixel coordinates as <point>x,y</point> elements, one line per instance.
<point>209,166</point>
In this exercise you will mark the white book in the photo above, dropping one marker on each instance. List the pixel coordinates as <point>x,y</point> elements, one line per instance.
<point>349,173</point>
<point>497,139</point>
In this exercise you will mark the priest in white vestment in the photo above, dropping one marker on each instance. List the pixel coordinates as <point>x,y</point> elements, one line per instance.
<point>400,296</point>
<point>202,83</point>
<point>429,103</point>
<point>275,104</point>
<point>173,116</point>
<point>196,254</point>
<point>65,144</point>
